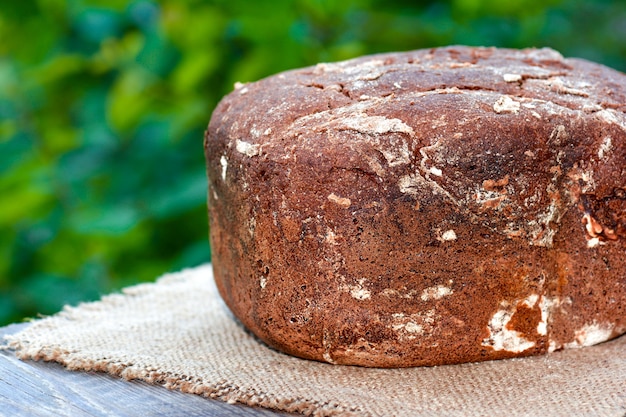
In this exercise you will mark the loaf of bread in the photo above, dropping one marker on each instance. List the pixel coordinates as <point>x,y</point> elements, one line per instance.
<point>423,208</point>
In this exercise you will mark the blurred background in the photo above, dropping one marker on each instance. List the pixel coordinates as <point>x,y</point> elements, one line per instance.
<point>103,105</point>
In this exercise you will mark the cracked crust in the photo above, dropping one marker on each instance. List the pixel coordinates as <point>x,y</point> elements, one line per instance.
<point>422,208</point>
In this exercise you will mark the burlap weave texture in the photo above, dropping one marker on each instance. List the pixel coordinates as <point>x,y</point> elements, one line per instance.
<point>177,332</point>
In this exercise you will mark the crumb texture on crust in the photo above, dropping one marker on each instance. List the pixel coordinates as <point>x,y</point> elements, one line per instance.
<point>421,208</point>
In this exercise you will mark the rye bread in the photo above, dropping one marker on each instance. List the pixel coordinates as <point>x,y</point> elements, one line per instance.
<point>423,208</point>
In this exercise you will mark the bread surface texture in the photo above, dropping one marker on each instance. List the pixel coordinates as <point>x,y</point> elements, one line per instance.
<point>422,208</point>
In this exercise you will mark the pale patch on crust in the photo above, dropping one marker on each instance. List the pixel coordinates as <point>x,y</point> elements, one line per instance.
<point>375,124</point>
<point>611,116</point>
<point>546,305</point>
<point>341,201</point>
<point>512,78</point>
<point>357,291</point>
<point>503,338</point>
<point>398,152</point>
<point>557,85</point>
<point>390,292</point>
<point>454,65</point>
<point>330,237</point>
<point>247,149</point>
<point>593,242</point>
<point>591,334</point>
<point>327,347</point>
<point>374,165</point>
<point>492,194</point>
<point>360,293</point>
<point>435,293</point>
<point>241,87</point>
<point>490,199</point>
<point>605,147</point>
<point>540,231</point>
<point>413,325</point>
<point>441,122</point>
<point>506,104</point>
<point>224,164</point>
<point>558,135</point>
<point>363,71</point>
<point>251,225</point>
<point>448,235</point>
<point>530,301</point>
<point>592,226</point>
<point>414,184</point>
<point>435,171</point>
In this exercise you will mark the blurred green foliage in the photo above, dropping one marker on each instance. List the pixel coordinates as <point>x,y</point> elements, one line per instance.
<point>103,105</point>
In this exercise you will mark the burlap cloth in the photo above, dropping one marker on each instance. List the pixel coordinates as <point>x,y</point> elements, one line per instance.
<point>177,332</point>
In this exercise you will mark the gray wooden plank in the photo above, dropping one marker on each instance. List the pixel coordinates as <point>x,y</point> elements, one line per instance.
<point>42,389</point>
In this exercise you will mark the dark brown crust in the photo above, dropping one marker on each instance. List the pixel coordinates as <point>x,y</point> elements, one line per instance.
<point>422,208</point>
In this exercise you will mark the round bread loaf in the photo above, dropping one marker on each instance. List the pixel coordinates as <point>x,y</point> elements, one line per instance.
<point>422,208</point>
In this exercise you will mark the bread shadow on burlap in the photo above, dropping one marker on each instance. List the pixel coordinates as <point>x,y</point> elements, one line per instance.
<point>177,332</point>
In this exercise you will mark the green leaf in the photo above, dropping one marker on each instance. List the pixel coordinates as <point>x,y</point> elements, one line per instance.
<point>97,24</point>
<point>108,221</point>
<point>129,98</point>
<point>185,193</point>
<point>193,69</point>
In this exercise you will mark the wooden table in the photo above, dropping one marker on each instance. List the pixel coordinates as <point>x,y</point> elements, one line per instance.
<point>29,388</point>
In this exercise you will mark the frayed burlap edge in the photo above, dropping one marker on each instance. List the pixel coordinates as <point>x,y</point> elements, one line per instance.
<point>225,391</point>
